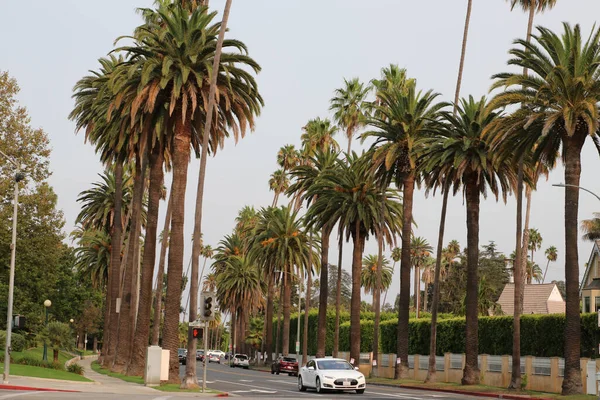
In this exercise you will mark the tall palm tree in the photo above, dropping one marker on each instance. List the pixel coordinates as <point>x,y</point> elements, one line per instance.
<point>396,253</point>
<point>535,241</point>
<point>530,6</point>
<point>591,228</point>
<point>92,255</point>
<point>559,111</point>
<point>349,195</point>
<point>318,134</point>
<point>368,274</point>
<point>420,251</point>
<point>278,183</point>
<point>350,107</point>
<point>551,254</point>
<point>287,157</point>
<point>402,116</point>
<point>172,90</point>
<point>460,153</point>
<point>164,244</point>
<point>305,176</point>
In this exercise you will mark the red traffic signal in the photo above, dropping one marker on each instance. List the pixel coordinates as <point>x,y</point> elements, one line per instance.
<point>196,333</point>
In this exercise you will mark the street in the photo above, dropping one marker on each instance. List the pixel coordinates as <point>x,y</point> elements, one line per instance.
<point>239,383</point>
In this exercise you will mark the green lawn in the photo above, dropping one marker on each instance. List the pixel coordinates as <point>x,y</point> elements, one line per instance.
<point>40,372</point>
<point>37,352</point>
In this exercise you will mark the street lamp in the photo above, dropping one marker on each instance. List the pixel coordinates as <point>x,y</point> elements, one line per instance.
<point>565,185</point>
<point>19,176</point>
<point>47,304</point>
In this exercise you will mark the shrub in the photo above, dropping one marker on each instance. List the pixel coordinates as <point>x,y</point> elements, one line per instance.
<point>56,365</point>
<point>75,369</point>
<point>32,361</point>
<point>17,341</point>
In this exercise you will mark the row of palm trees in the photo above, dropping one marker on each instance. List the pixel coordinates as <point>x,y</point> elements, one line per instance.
<point>179,86</point>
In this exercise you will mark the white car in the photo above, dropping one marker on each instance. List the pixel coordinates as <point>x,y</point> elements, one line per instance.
<point>219,353</point>
<point>331,374</point>
<point>240,360</point>
<point>214,357</point>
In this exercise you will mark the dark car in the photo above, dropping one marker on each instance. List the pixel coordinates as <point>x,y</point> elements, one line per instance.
<point>182,355</point>
<point>200,355</point>
<point>285,364</point>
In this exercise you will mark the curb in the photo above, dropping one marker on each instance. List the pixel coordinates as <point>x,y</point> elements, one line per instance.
<point>463,392</point>
<point>29,388</point>
<point>223,395</point>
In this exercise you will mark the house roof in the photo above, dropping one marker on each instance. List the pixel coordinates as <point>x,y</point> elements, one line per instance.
<point>590,264</point>
<point>595,284</point>
<point>535,300</point>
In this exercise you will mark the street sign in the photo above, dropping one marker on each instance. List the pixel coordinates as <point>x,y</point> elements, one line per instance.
<point>196,324</point>
<point>297,347</point>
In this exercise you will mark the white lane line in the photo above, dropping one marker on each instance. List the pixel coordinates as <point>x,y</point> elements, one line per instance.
<point>252,386</point>
<point>286,382</point>
<point>13,395</point>
<point>162,398</point>
<point>246,380</point>
<point>398,395</point>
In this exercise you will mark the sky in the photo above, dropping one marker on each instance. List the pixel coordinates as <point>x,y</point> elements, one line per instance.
<point>306,48</point>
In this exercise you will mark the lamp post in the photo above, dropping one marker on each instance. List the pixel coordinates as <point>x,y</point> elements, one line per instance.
<point>47,304</point>
<point>19,176</point>
<point>566,185</point>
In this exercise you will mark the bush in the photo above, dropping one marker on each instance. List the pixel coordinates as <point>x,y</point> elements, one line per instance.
<point>18,342</point>
<point>75,369</point>
<point>32,361</point>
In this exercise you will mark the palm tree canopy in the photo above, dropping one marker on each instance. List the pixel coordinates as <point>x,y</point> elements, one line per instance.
<point>348,194</point>
<point>368,274</point>
<point>551,253</point>
<point>318,134</point>
<point>239,284</point>
<point>535,239</point>
<point>349,105</point>
<point>539,5</point>
<point>460,152</point>
<point>279,181</point>
<point>559,96</point>
<point>396,254</point>
<point>591,228</point>
<point>306,174</point>
<point>287,157</point>
<point>420,250</point>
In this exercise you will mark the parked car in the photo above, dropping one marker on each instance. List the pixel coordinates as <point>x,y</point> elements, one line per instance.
<point>240,360</point>
<point>285,364</point>
<point>331,373</point>
<point>182,355</point>
<point>219,353</point>
<point>214,357</point>
<point>200,355</point>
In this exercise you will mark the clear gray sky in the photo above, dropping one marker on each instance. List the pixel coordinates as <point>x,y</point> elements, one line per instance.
<point>306,48</point>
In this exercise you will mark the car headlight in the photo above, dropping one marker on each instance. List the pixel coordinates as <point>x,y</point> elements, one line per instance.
<point>361,377</point>
<point>328,377</point>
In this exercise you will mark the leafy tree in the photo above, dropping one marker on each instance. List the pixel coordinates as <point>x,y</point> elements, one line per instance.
<point>57,336</point>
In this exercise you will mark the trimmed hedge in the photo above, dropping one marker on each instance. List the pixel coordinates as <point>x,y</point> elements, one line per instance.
<point>17,341</point>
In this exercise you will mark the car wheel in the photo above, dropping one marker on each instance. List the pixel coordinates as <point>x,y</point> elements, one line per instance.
<point>245,367</point>
<point>301,386</point>
<point>277,372</point>
<point>318,385</point>
<point>360,391</point>
<point>272,372</point>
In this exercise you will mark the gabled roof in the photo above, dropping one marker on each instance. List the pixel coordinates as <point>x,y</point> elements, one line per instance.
<point>595,251</point>
<point>535,300</point>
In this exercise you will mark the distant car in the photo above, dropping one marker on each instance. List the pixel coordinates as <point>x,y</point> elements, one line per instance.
<point>200,355</point>
<point>285,364</point>
<point>214,357</point>
<point>219,353</point>
<point>182,355</point>
<point>331,373</point>
<point>240,360</point>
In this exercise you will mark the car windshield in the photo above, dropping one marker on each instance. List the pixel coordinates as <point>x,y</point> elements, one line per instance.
<point>334,364</point>
<point>288,359</point>
<point>241,357</point>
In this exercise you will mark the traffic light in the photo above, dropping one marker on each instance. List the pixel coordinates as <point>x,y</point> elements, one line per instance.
<point>207,306</point>
<point>197,332</point>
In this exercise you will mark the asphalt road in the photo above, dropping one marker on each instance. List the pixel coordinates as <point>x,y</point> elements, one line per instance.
<point>245,384</point>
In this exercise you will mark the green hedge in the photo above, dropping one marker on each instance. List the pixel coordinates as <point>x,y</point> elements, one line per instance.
<point>17,341</point>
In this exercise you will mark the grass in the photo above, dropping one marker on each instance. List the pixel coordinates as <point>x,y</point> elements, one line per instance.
<point>476,388</point>
<point>38,352</point>
<point>40,372</point>
<point>165,387</point>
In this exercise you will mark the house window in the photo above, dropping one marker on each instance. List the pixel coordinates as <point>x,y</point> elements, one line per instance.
<point>586,305</point>
<point>597,306</point>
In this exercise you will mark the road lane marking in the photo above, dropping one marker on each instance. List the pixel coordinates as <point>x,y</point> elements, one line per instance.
<point>286,382</point>
<point>162,398</point>
<point>254,386</point>
<point>13,395</point>
<point>246,380</point>
<point>398,395</point>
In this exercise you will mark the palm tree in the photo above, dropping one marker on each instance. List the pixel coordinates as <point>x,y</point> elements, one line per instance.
<point>420,252</point>
<point>530,6</point>
<point>350,107</point>
<point>92,255</point>
<point>172,91</point>
<point>461,155</point>
<point>164,244</point>
<point>396,253</point>
<point>278,183</point>
<point>427,278</point>
<point>401,117</point>
<point>551,254</point>
<point>368,274</point>
<point>535,241</point>
<point>349,195</point>
<point>318,134</point>
<point>591,228</point>
<point>305,176</point>
<point>559,111</point>
<point>533,271</point>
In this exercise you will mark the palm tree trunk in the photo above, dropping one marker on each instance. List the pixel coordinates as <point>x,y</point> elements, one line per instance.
<point>142,331</point>
<point>275,197</point>
<point>279,311</point>
<point>401,370</point>
<point>161,271</point>
<point>114,278</point>
<point>431,370</point>
<point>471,371</point>
<point>349,134</point>
<point>124,344</point>
<point>323,291</point>
<point>388,289</point>
<point>287,299</point>
<point>377,291</point>
<point>417,290</point>
<point>269,320</point>
<point>545,271</point>
<point>181,153</point>
<point>462,55</point>
<point>525,243</point>
<point>572,374</point>
<point>338,297</point>
<point>233,332</point>
<point>307,305</point>
<point>355,301</point>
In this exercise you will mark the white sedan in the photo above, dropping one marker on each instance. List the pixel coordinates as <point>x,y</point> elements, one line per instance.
<point>331,374</point>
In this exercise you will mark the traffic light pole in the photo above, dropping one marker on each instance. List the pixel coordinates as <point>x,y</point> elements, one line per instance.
<point>205,356</point>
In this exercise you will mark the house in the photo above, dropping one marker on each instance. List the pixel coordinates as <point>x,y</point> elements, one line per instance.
<point>537,299</point>
<point>589,290</point>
